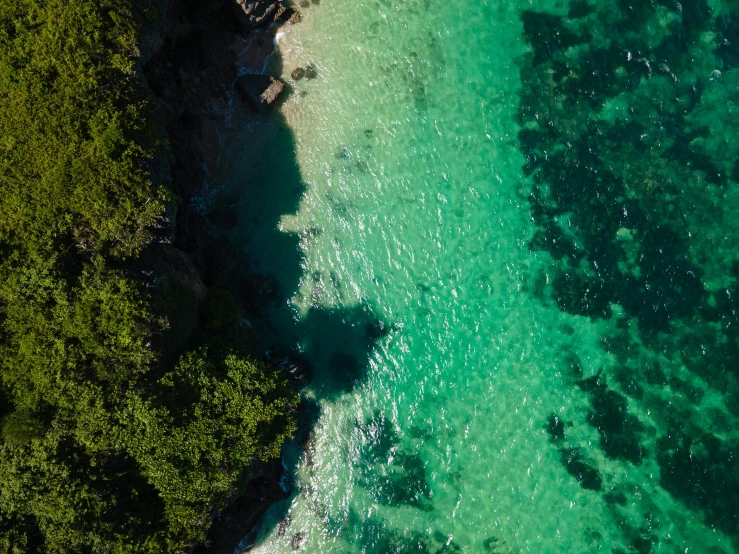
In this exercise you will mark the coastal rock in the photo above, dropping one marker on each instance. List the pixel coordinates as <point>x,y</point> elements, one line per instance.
<point>291,15</point>
<point>297,542</point>
<point>252,51</point>
<point>255,13</point>
<point>281,9</point>
<point>296,367</point>
<point>298,73</point>
<point>260,91</point>
<point>283,526</point>
<point>555,428</point>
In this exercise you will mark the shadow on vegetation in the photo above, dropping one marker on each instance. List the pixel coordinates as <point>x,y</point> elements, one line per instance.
<point>326,349</point>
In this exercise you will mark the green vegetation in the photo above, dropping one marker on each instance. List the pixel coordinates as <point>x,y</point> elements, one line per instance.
<point>103,448</point>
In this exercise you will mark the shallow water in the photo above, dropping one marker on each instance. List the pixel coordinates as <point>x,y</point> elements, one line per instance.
<point>504,237</point>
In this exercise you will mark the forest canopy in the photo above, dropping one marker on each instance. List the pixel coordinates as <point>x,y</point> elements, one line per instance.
<point>103,448</point>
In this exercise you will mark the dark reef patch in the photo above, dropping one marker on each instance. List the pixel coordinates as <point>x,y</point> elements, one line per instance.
<point>405,483</point>
<point>571,363</point>
<point>621,183</point>
<point>642,544</point>
<point>555,427</point>
<point>619,430</point>
<point>376,537</point>
<point>614,497</point>
<point>549,33</point>
<point>586,474</point>
<point>631,156</point>
<point>450,548</point>
<point>403,479</point>
<point>627,379</point>
<point>379,436</point>
<point>704,474</point>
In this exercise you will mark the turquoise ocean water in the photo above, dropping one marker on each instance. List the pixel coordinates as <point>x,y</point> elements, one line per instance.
<point>503,234</point>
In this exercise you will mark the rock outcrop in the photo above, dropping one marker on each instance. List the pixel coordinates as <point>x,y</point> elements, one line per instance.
<point>260,91</point>
<point>254,50</point>
<point>256,13</point>
<point>253,14</point>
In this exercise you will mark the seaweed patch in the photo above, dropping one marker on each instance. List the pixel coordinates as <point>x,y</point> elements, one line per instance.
<point>586,474</point>
<point>619,430</point>
<point>629,129</point>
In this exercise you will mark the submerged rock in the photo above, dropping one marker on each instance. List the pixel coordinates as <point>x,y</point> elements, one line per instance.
<point>615,497</point>
<point>310,72</point>
<point>283,526</point>
<point>620,431</point>
<point>297,368</point>
<point>299,371</point>
<point>298,541</point>
<point>260,91</point>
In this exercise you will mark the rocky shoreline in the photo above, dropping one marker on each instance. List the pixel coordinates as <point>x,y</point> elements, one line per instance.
<point>202,61</point>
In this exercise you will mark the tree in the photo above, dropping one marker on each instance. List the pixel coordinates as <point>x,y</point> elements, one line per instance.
<point>198,434</point>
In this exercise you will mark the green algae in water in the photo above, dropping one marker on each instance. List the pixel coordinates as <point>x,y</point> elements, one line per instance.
<point>505,237</point>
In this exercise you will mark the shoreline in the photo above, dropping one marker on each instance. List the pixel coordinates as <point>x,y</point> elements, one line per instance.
<point>193,69</point>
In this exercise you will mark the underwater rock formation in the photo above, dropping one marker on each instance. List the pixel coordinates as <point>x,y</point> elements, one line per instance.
<point>586,475</point>
<point>629,136</point>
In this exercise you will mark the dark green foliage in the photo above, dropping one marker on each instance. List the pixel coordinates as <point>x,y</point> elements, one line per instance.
<point>178,304</point>
<point>72,122</point>
<point>219,311</point>
<point>199,430</point>
<point>98,451</point>
<point>20,428</point>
